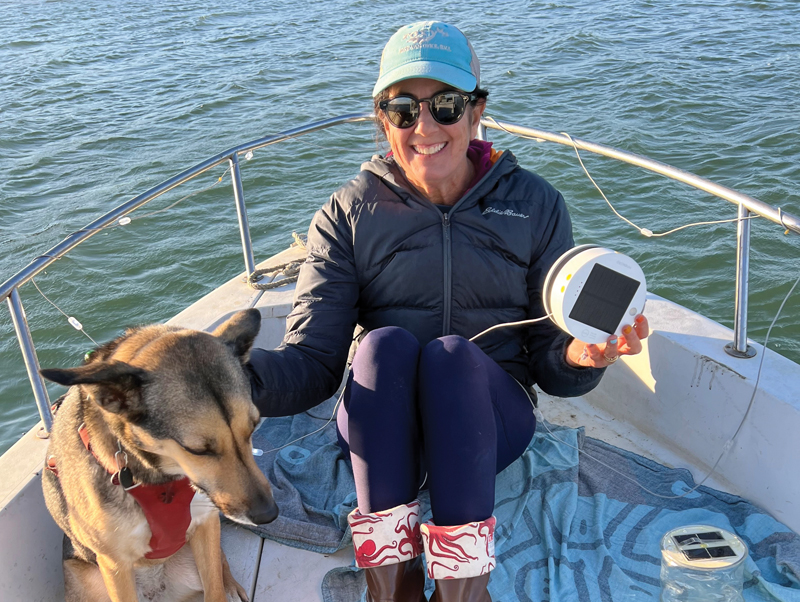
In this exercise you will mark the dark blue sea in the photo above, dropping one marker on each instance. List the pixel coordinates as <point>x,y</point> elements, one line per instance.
<point>100,100</point>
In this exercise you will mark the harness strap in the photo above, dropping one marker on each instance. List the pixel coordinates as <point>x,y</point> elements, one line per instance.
<point>167,506</point>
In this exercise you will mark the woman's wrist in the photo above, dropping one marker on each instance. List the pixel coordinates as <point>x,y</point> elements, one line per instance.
<point>572,353</point>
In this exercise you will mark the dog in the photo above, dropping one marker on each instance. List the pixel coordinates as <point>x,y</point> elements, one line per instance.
<point>153,438</point>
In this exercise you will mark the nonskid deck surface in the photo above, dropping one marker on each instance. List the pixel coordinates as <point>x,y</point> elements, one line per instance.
<point>270,571</point>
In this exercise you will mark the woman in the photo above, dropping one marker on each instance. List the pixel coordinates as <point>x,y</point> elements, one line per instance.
<point>426,247</point>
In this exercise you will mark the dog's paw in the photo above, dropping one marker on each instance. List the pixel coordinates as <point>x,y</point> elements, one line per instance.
<point>236,594</point>
<point>233,591</point>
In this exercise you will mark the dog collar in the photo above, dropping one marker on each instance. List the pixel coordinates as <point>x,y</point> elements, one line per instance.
<point>123,475</point>
<point>166,506</point>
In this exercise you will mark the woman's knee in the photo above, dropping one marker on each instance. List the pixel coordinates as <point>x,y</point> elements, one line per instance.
<point>384,374</point>
<point>390,342</point>
<point>452,376</point>
<point>451,354</point>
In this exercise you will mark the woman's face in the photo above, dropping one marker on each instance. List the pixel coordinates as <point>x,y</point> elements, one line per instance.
<point>433,156</point>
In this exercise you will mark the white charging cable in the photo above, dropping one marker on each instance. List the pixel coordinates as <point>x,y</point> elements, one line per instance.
<point>258,452</point>
<point>510,324</point>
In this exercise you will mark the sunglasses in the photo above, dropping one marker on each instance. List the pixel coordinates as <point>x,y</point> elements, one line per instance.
<point>446,108</point>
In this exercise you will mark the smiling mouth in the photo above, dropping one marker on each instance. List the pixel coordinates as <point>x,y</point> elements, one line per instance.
<point>429,149</point>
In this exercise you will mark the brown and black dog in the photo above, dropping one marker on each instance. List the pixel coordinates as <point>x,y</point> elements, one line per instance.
<point>154,406</point>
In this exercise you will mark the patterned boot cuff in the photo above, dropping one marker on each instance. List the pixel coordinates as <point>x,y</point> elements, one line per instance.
<point>386,537</point>
<point>459,552</point>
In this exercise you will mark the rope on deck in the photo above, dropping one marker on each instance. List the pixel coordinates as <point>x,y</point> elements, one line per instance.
<point>290,270</point>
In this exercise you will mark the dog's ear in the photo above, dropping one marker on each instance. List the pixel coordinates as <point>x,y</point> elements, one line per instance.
<point>239,332</point>
<point>114,386</point>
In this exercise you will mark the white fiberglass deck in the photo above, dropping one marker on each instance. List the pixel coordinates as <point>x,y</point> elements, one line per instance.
<point>269,571</point>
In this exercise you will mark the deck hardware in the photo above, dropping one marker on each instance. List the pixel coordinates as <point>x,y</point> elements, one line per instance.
<point>31,361</point>
<point>739,347</point>
<point>241,212</point>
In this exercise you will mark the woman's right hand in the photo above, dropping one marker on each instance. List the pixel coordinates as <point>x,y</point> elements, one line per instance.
<point>602,355</point>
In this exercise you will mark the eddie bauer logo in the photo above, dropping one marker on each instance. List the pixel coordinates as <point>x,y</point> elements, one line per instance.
<point>425,34</point>
<point>507,212</point>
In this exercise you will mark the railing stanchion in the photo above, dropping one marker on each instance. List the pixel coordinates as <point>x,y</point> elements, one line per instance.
<point>739,347</point>
<point>31,361</point>
<point>241,211</point>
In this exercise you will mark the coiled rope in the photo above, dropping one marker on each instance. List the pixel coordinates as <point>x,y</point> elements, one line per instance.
<point>290,270</point>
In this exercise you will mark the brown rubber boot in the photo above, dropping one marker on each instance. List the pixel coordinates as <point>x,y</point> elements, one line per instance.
<point>460,559</point>
<point>472,589</point>
<point>388,546</point>
<point>401,582</point>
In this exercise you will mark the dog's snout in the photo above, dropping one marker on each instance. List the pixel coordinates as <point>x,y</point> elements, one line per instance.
<point>264,513</point>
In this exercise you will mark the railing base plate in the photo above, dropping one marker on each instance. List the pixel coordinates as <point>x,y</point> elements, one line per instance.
<point>732,351</point>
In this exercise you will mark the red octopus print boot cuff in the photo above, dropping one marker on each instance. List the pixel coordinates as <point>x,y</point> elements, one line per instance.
<point>386,537</point>
<point>459,552</point>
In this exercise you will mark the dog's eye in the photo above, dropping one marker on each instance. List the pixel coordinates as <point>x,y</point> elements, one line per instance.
<point>206,451</point>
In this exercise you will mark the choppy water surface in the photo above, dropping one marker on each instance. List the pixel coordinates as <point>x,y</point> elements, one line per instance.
<point>101,100</point>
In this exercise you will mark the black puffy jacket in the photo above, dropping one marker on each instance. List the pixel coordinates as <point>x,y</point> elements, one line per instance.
<point>380,256</point>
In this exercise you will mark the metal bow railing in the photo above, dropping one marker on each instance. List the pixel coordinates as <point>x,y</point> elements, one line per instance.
<point>9,290</point>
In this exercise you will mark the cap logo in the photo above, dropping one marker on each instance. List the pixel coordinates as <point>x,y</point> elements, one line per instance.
<point>421,38</point>
<point>425,34</point>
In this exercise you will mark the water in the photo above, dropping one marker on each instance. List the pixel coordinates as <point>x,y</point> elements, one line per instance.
<point>99,100</point>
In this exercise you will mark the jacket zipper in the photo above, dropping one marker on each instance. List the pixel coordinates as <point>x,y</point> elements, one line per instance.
<point>448,285</point>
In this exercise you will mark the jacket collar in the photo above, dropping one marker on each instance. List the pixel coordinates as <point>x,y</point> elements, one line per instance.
<point>389,172</point>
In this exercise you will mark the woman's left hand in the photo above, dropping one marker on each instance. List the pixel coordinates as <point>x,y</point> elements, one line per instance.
<point>604,354</point>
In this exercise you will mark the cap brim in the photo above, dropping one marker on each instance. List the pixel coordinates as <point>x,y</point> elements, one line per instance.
<point>452,76</point>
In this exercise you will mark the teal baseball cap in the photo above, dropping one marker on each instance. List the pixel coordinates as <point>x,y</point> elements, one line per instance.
<point>429,49</point>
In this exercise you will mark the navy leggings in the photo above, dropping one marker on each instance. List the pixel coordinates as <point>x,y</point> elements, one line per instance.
<point>447,410</point>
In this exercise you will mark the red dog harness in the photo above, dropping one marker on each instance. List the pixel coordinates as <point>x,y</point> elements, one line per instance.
<point>166,506</point>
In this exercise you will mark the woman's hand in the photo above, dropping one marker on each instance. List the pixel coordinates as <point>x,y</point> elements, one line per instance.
<point>605,354</point>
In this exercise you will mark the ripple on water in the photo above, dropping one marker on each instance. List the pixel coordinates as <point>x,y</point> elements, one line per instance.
<point>101,100</point>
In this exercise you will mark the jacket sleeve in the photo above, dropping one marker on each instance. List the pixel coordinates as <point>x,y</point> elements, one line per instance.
<point>308,366</point>
<point>546,343</point>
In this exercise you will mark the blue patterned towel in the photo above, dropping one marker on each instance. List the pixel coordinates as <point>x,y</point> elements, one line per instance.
<point>568,527</point>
